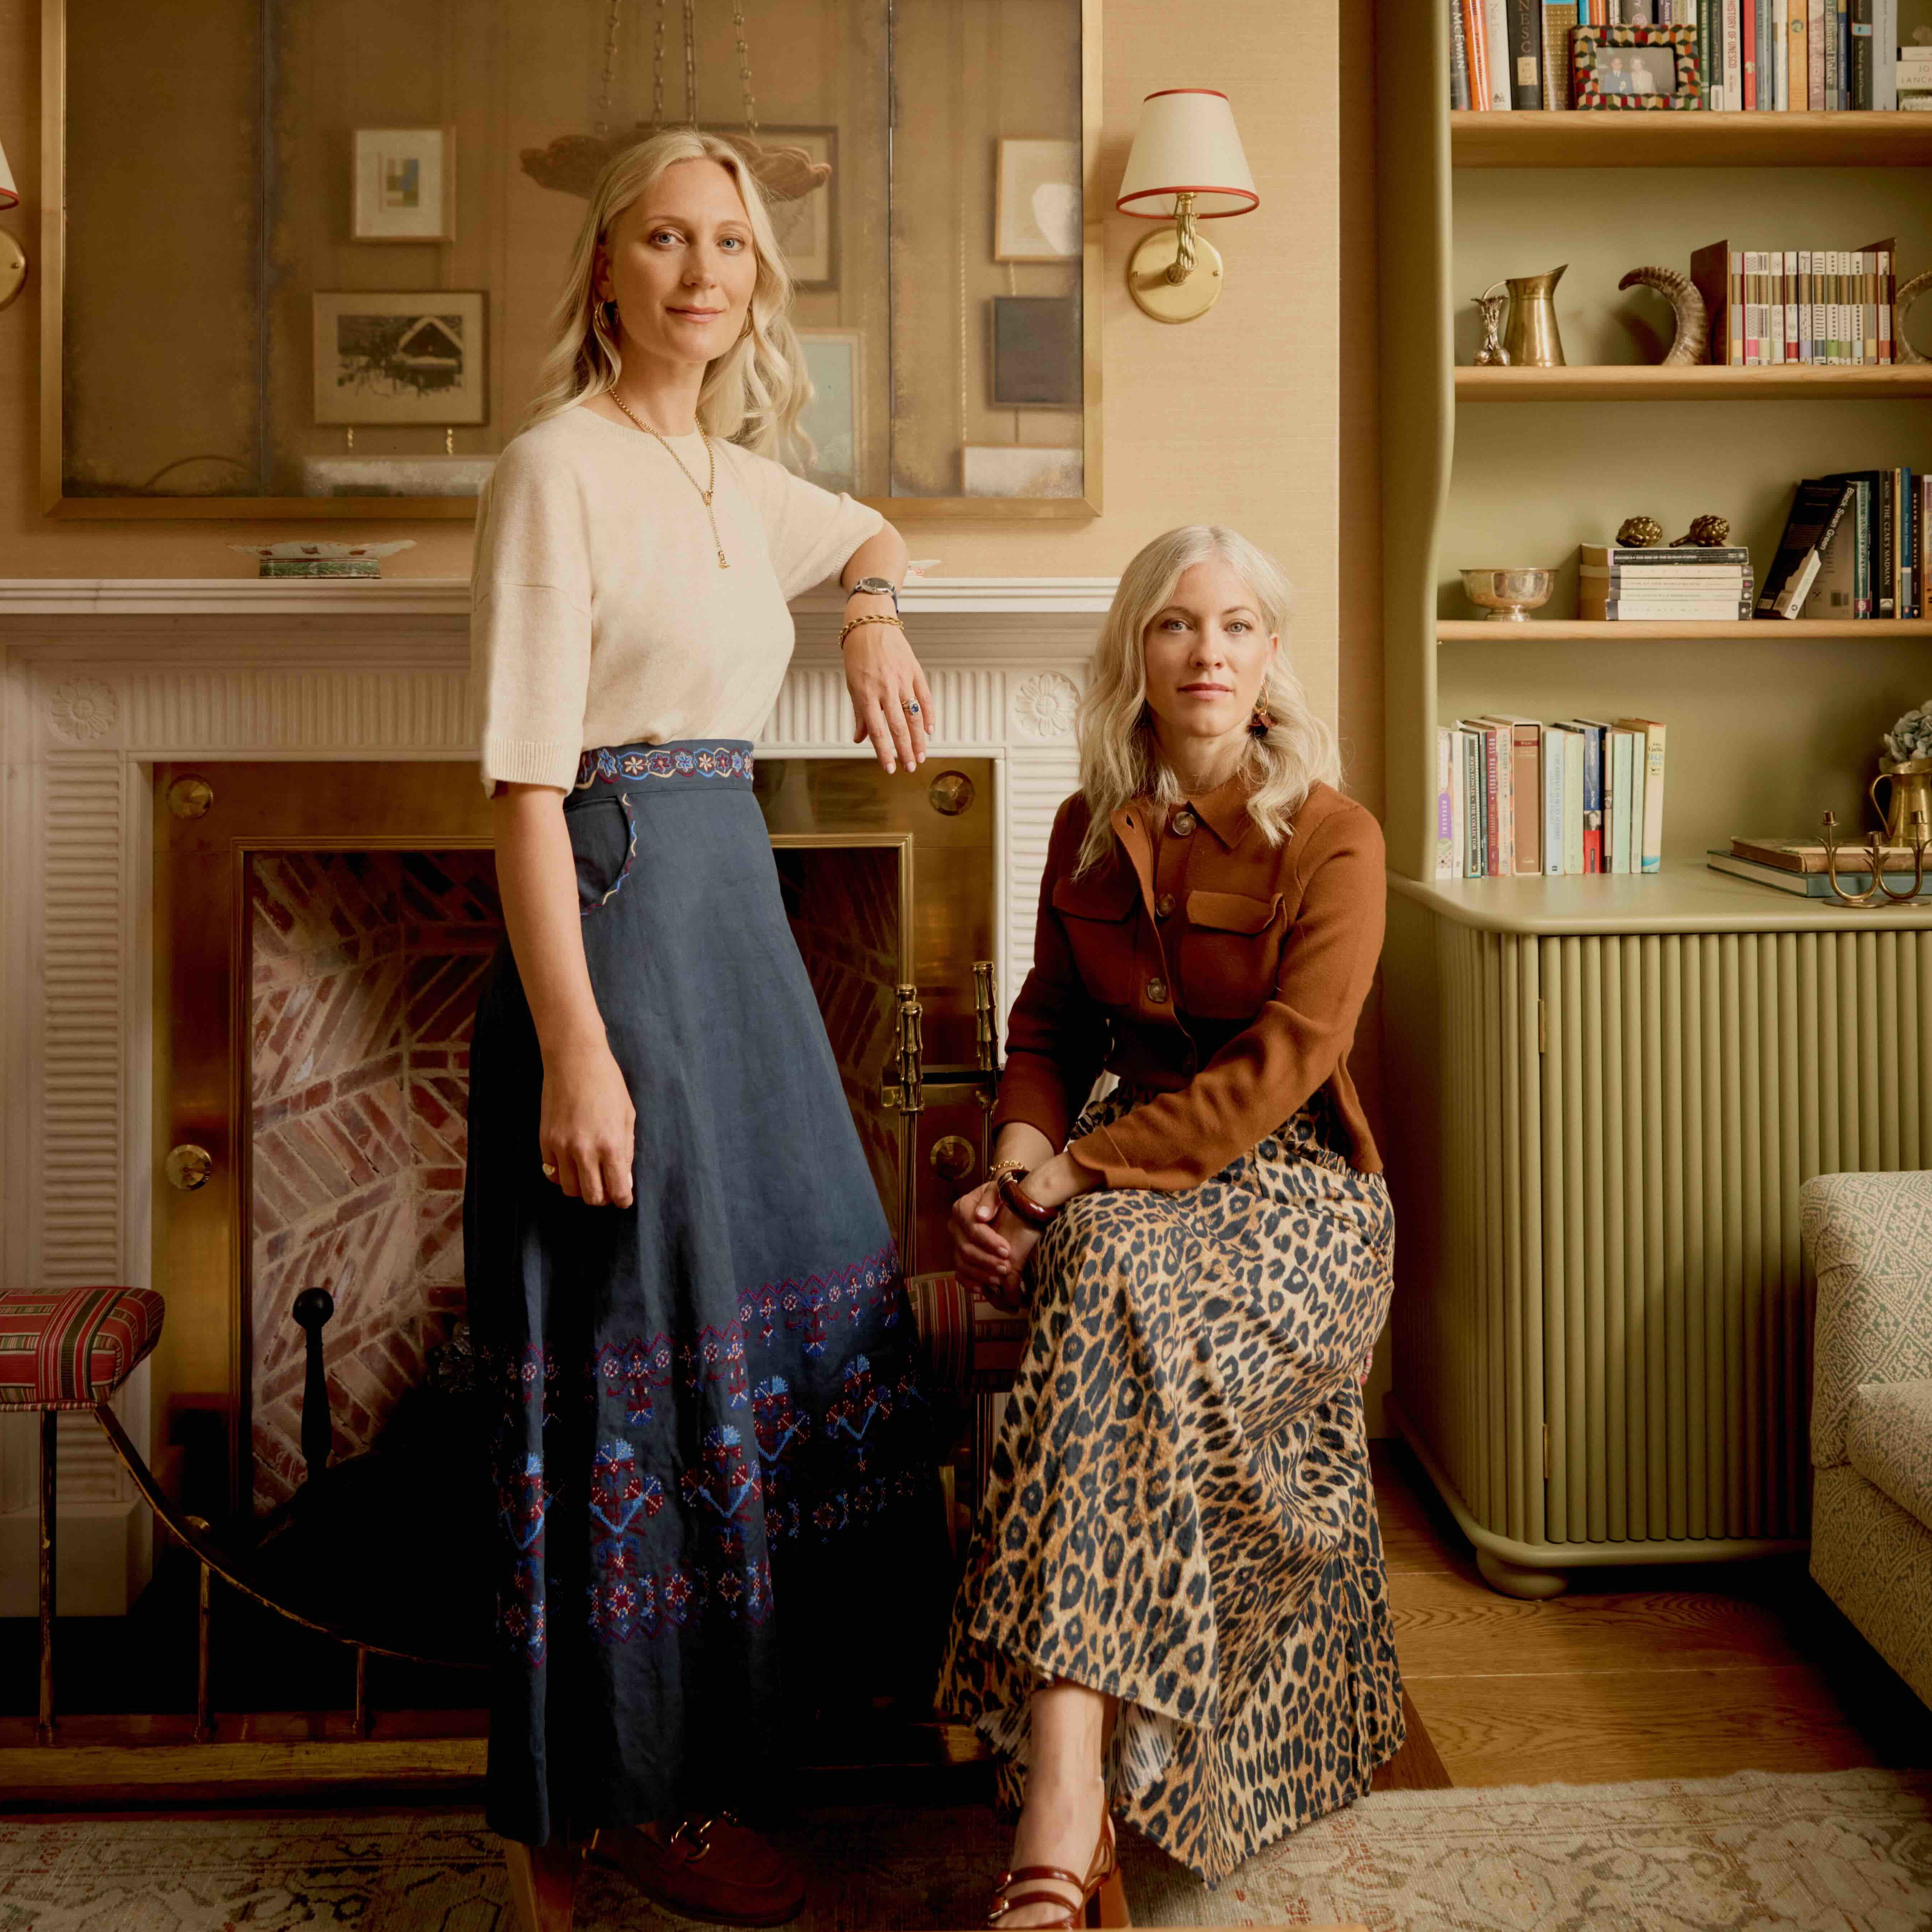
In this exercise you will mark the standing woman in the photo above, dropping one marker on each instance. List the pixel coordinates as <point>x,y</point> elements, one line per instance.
<point>709,1443</point>
<point>1175,1607</point>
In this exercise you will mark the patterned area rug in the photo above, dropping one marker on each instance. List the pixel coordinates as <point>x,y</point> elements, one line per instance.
<point>1841,1851</point>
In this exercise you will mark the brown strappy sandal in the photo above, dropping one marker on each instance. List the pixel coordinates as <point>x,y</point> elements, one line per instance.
<point>1103,1899</point>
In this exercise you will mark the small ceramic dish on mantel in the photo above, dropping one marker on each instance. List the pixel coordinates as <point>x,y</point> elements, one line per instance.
<point>321,560</point>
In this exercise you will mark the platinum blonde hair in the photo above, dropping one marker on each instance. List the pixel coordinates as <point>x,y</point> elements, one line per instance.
<point>1120,755</point>
<point>754,393</point>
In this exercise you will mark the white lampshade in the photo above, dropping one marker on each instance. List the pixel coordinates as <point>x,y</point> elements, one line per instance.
<point>10,196</point>
<point>1186,143</point>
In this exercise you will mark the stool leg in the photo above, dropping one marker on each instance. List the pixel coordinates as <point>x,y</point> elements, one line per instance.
<point>49,1420</point>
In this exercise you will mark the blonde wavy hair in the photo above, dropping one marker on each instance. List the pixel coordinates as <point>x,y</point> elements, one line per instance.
<point>1120,755</point>
<point>755,393</point>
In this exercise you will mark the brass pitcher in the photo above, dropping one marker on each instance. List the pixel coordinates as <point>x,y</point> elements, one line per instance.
<point>1911,785</point>
<point>1533,342</point>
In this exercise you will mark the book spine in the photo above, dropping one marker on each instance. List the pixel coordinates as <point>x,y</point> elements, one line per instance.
<point>1780,28</point>
<point>1478,818</point>
<point>1814,49</point>
<point>1867,540</point>
<point>1552,800</point>
<point>1653,799</point>
<point>1526,798</point>
<point>1459,59</point>
<point>1844,53</point>
<point>1805,305</point>
<point>1888,292</point>
<point>1573,866</point>
<point>1557,21</point>
<point>1788,309</point>
<point>1797,55</point>
<point>1885,597</point>
<point>1861,53</point>
<point>1885,56</point>
<point>1493,830</point>
<point>1593,798</point>
<point>1447,860</point>
<point>1525,40</point>
<point>1496,46</point>
<point>1748,32</point>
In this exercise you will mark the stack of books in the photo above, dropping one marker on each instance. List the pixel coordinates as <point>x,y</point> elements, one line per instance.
<point>1828,307</point>
<point>1694,584</point>
<point>1753,56</point>
<point>1856,544</point>
<point>1515,796</point>
<point>1797,865</point>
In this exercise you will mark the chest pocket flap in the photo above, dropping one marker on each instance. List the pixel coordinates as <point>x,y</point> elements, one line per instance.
<point>1231,912</point>
<point>1106,893</point>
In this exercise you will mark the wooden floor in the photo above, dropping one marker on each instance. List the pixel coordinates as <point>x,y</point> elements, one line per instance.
<point>1669,1671</point>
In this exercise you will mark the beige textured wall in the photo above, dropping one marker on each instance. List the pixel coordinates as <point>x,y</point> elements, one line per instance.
<point>1234,418</point>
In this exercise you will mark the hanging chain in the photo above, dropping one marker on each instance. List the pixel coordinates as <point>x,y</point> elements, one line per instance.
<point>744,67</point>
<point>609,66</point>
<point>657,69</point>
<point>691,63</point>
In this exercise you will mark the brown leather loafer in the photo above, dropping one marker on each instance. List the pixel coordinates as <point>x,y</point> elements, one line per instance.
<point>709,1867</point>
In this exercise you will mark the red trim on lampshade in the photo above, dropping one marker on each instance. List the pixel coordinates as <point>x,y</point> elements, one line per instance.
<point>1160,90</point>
<point>1200,213</point>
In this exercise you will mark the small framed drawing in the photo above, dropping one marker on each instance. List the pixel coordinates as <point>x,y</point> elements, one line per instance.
<point>835,418</point>
<point>1635,69</point>
<point>1036,202</point>
<point>404,185</point>
<point>1036,352</point>
<point>414,358</point>
<point>797,167</point>
<point>1019,469</point>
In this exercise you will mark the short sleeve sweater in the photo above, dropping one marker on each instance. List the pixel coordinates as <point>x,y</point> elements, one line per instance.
<point>599,614</point>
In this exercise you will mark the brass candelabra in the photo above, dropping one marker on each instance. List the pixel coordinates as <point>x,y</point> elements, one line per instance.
<point>1878,892</point>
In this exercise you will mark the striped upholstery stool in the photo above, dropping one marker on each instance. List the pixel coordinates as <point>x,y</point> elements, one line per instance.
<point>63,1348</point>
<point>971,1350</point>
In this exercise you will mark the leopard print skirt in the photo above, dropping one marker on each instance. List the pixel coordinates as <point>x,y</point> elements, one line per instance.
<point>1179,1512</point>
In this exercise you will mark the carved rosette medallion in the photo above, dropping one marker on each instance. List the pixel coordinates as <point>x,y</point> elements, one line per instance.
<point>1044,705</point>
<point>81,710</point>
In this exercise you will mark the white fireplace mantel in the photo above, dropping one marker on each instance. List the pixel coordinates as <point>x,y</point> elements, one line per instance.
<point>101,678</point>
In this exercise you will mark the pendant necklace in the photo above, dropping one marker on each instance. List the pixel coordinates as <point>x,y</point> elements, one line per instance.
<point>706,493</point>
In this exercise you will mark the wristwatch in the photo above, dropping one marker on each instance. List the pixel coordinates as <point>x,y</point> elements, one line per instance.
<point>875,587</point>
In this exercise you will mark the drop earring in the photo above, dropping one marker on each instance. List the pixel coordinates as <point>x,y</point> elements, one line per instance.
<point>1262,722</point>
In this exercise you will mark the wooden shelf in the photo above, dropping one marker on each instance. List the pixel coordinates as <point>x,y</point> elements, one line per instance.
<point>1607,139</point>
<point>1686,896</point>
<point>1575,631</point>
<point>1644,382</point>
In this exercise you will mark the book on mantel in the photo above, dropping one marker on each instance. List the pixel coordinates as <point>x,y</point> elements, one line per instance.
<point>1817,885</point>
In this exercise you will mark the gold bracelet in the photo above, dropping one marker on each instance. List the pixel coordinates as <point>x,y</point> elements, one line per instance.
<point>1014,1167</point>
<point>871,617</point>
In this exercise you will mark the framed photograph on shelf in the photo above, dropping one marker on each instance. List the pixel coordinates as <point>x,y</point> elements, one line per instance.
<point>1019,469</point>
<point>404,187</point>
<point>1036,358</point>
<point>1036,202</point>
<point>1635,69</point>
<point>390,359</point>
<point>835,418</point>
<point>798,169</point>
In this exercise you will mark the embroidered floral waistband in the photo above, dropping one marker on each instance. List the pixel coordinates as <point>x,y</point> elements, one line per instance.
<point>728,759</point>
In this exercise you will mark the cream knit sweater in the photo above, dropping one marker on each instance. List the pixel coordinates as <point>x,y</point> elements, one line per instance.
<point>599,614</point>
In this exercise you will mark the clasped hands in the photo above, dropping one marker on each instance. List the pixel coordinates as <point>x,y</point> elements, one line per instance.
<point>992,1245</point>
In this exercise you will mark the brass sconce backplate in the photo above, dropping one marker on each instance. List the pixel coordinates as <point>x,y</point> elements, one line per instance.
<point>1173,301</point>
<point>13,268</point>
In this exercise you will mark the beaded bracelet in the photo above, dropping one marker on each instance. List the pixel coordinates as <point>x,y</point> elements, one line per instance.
<point>871,617</point>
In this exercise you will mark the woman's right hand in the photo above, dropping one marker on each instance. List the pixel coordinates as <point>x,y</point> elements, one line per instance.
<point>588,1130</point>
<point>981,1257</point>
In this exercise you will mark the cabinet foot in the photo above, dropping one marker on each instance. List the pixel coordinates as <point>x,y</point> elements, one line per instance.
<point>1514,1579</point>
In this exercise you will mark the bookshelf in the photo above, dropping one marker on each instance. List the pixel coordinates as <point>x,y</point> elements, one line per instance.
<point>1613,1087</point>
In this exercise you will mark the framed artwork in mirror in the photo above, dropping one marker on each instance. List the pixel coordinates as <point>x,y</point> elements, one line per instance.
<point>353,344</point>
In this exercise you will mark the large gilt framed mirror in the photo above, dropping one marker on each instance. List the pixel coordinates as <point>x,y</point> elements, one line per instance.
<point>299,256</point>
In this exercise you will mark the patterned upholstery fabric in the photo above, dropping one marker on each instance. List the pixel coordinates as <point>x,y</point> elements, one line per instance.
<point>970,1347</point>
<point>73,1347</point>
<point>1875,1562</point>
<point>1890,1442</point>
<point>1868,1238</point>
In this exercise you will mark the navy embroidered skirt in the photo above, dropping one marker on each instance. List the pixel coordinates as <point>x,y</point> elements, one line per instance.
<point>711,1455</point>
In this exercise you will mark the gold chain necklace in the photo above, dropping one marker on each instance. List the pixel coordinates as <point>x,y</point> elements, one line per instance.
<point>710,451</point>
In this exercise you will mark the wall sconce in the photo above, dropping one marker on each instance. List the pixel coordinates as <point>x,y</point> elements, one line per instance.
<point>1187,164</point>
<point>13,257</point>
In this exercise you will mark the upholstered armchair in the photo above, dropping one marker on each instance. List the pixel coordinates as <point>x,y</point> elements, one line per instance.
<point>1868,1240</point>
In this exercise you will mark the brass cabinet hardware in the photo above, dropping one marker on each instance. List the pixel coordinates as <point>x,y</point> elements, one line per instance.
<point>952,1157</point>
<point>190,797</point>
<point>904,1083</point>
<point>951,793</point>
<point>189,1167</point>
<point>986,1016</point>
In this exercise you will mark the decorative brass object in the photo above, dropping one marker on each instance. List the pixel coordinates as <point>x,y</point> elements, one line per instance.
<point>903,1087</point>
<point>1705,533</point>
<point>1878,892</point>
<point>1174,273</point>
<point>1507,595</point>
<point>1492,354</point>
<point>13,268</point>
<point>188,1167</point>
<point>1911,783</point>
<point>951,793</point>
<point>985,1017</point>
<point>953,1158</point>
<point>190,797</point>
<point>1640,532</point>
<point>1533,342</point>
<point>1692,339</point>
<point>1902,350</point>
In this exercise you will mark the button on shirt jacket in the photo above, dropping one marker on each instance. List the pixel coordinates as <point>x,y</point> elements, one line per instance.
<point>1200,961</point>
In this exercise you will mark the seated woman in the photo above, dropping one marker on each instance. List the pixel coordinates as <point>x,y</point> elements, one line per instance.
<point>1175,1607</point>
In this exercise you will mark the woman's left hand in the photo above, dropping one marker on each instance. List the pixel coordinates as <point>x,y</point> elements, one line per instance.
<point>892,703</point>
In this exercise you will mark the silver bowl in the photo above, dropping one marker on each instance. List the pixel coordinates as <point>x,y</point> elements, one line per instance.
<point>1508,596</point>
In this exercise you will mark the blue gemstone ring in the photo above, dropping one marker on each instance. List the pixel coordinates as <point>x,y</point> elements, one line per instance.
<point>909,707</point>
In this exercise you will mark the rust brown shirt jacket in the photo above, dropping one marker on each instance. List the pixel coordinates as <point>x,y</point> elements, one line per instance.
<point>1202,961</point>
